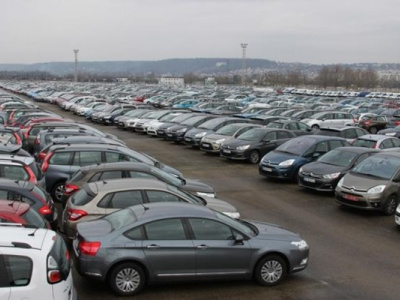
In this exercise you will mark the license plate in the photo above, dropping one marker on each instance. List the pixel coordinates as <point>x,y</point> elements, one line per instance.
<point>309,179</point>
<point>350,197</point>
<point>267,169</point>
<point>205,145</point>
<point>227,151</point>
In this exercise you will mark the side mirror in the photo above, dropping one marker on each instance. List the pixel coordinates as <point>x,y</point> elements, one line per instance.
<point>239,239</point>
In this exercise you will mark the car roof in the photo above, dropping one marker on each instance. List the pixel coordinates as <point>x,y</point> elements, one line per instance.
<point>375,137</point>
<point>338,129</point>
<point>359,150</point>
<point>16,158</point>
<point>321,137</point>
<point>13,207</point>
<point>74,147</point>
<point>116,166</point>
<point>16,184</point>
<point>20,237</point>
<point>162,210</point>
<point>125,184</point>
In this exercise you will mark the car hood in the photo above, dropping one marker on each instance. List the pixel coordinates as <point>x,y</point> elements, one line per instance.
<point>362,182</point>
<point>320,168</point>
<point>194,131</point>
<point>234,143</point>
<point>277,157</point>
<point>219,205</point>
<point>269,231</point>
<point>192,185</point>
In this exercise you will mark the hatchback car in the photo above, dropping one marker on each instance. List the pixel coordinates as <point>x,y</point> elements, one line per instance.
<point>374,184</point>
<point>120,170</point>
<point>336,119</point>
<point>298,128</point>
<point>21,213</point>
<point>178,241</point>
<point>373,123</point>
<point>350,133</point>
<point>325,173</point>
<point>96,199</point>
<point>285,161</point>
<point>35,263</point>
<point>376,141</point>
<point>254,144</point>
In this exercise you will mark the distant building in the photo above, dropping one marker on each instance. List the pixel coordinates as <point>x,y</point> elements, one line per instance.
<point>122,79</point>
<point>172,81</point>
<point>210,81</point>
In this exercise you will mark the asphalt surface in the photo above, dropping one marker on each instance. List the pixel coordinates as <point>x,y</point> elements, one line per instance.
<point>353,254</point>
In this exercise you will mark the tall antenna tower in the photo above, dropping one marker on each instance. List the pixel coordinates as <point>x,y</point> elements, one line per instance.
<point>243,45</point>
<point>76,65</point>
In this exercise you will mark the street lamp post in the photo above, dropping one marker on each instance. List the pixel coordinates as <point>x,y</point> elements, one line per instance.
<point>243,45</point>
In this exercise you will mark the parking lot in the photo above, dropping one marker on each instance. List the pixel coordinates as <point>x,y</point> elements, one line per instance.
<point>353,254</point>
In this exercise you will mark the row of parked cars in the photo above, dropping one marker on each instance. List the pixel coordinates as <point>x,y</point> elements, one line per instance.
<point>114,198</point>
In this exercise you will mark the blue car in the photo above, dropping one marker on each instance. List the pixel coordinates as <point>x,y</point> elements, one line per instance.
<point>285,161</point>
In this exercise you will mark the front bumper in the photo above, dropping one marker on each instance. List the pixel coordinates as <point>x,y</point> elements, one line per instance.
<point>359,200</point>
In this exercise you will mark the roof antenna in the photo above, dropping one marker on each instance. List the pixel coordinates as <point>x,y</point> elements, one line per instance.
<point>33,233</point>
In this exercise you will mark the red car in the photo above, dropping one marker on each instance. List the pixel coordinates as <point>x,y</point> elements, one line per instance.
<point>21,213</point>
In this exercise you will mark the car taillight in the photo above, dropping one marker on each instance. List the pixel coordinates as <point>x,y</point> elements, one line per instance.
<point>53,271</point>
<point>46,159</point>
<point>37,141</point>
<point>32,176</point>
<point>89,248</point>
<point>367,122</point>
<point>76,214</point>
<point>397,123</point>
<point>70,188</point>
<point>45,210</point>
<point>17,138</point>
<point>41,156</point>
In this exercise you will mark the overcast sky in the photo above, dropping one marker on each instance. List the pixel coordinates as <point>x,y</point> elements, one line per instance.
<point>308,31</point>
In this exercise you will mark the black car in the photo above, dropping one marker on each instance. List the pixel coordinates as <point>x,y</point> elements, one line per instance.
<point>254,144</point>
<point>35,196</point>
<point>176,133</point>
<point>265,120</point>
<point>325,173</point>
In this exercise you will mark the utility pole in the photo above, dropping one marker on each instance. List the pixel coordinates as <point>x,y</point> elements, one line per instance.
<point>76,65</point>
<point>243,45</point>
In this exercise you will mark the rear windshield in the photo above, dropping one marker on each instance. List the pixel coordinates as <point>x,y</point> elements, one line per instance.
<point>81,197</point>
<point>33,218</point>
<point>77,176</point>
<point>364,143</point>
<point>14,172</point>
<point>120,218</point>
<point>36,170</point>
<point>38,192</point>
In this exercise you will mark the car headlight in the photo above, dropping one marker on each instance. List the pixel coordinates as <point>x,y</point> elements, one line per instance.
<point>332,176</point>
<point>376,189</point>
<point>287,163</point>
<point>220,141</point>
<point>241,148</point>
<point>340,183</point>
<point>200,135</point>
<point>302,245</point>
<point>107,117</point>
<point>210,195</point>
<point>233,215</point>
<point>301,170</point>
<point>182,130</point>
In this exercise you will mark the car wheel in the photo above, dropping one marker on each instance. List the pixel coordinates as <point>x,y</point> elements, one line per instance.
<point>390,205</point>
<point>127,279</point>
<point>58,191</point>
<point>314,127</point>
<point>254,157</point>
<point>373,130</point>
<point>270,270</point>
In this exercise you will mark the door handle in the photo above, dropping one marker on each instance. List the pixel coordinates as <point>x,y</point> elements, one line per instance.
<point>152,246</point>
<point>202,246</point>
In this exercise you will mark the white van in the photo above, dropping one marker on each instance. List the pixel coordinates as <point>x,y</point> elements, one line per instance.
<point>35,264</point>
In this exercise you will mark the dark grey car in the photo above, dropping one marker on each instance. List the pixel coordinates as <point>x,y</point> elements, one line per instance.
<point>178,241</point>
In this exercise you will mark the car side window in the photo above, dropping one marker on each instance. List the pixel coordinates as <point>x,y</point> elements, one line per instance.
<point>293,126</point>
<point>136,174</point>
<point>18,269</point>
<point>350,134</point>
<point>60,158</point>
<point>161,196</point>
<point>359,132</point>
<point>269,136</point>
<point>361,158</point>
<point>386,144</point>
<point>205,229</point>
<point>135,233</point>
<point>322,147</point>
<point>283,135</point>
<point>335,144</point>
<point>169,229</point>
<point>110,175</point>
<point>7,195</point>
<point>396,143</point>
<point>121,199</point>
<point>85,158</point>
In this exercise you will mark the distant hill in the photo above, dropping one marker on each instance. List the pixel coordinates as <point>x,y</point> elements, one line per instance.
<point>173,67</point>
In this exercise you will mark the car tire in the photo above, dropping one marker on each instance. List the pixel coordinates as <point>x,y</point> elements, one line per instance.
<point>254,157</point>
<point>373,130</point>
<point>58,191</point>
<point>127,279</point>
<point>314,128</point>
<point>390,205</point>
<point>270,270</point>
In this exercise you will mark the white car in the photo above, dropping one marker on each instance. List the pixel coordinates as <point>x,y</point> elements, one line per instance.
<point>34,264</point>
<point>330,119</point>
<point>397,215</point>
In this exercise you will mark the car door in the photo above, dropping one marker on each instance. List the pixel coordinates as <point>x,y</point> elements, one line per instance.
<point>217,251</point>
<point>21,278</point>
<point>268,143</point>
<point>5,289</point>
<point>169,249</point>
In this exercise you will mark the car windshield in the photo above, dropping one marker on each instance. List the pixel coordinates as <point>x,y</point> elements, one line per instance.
<point>228,130</point>
<point>120,218</point>
<point>192,121</point>
<point>210,124</point>
<point>338,157</point>
<point>188,196</point>
<point>297,146</point>
<point>378,166</point>
<point>241,226</point>
<point>255,134</point>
